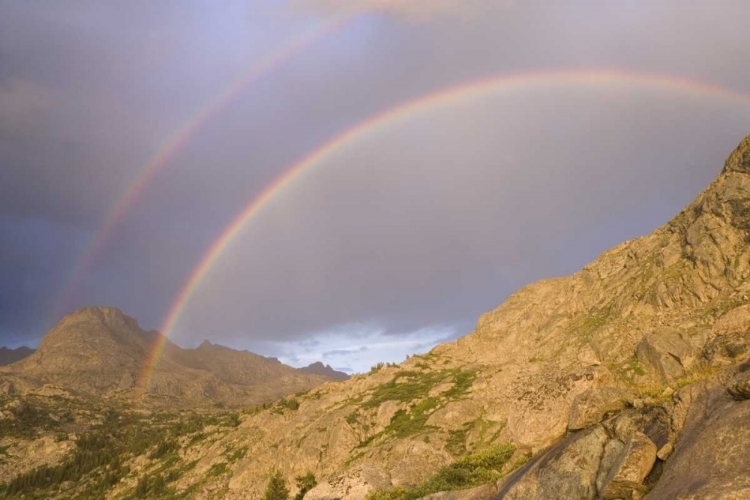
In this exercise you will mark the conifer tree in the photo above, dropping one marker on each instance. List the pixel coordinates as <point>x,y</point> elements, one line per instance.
<point>276,488</point>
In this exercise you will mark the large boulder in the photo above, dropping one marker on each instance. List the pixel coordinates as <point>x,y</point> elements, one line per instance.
<point>739,386</point>
<point>612,451</point>
<point>669,353</point>
<point>710,457</point>
<point>629,469</point>
<point>591,406</point>
<point>566,471</point>
<point>653,421</point>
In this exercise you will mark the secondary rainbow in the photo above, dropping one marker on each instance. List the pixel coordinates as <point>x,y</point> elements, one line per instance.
<point>177,140</point>
<point>440,98</point>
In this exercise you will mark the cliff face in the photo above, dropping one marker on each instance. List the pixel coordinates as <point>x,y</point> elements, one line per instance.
<point>99,351</point>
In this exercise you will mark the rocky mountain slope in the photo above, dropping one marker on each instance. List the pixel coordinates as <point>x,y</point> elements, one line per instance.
<point>99,351</point>
<point>629,379</point>
<point>642,334</point>
<point>319,368</point>
<point>8,356</point>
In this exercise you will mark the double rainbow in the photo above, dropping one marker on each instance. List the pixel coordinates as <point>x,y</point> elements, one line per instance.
<point>476,89</point>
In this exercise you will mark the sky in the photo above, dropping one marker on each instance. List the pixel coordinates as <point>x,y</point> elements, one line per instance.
<point>402,165</point>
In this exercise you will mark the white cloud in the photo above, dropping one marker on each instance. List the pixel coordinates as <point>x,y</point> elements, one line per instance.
<point>363,347</point>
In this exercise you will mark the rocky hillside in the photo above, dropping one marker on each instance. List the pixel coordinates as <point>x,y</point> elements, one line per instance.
<point>9,356</point>
<point>99,351</point>
<point>613,363</point>
<point>319,368</point>
<point>628,379</point>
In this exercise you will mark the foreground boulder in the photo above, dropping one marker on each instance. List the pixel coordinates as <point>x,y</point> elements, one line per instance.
<point>710,460</point>
<point>630,468</point>
<point>567,470</point>
<point>739,387</point>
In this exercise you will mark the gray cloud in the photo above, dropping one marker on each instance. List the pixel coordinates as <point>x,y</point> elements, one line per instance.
<point>22,106</point>
<point>413,10</point>
<point>398,240</point>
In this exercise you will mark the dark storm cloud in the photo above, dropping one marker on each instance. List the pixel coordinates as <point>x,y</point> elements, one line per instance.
<point>402,239</point>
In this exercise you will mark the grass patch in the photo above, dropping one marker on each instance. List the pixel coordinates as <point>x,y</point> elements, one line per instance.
<point>695,374</point>
<point>456,442</point>
<point>474,470</point>
<point>586,324</point>
<point>409,385</point>
<point>218,469</point>
<point>414,387</point>
<point>237,455</point>
<point>286,404</point>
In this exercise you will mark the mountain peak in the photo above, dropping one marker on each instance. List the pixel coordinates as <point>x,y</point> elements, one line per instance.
<point>319,368</point>
<point>739,160</point>
<point>8,355</point>
<point>109,316</point>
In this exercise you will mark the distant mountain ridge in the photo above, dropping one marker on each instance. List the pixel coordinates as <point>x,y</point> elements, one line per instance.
<point>100,351</point>
<point>8,356</point>
<point>319,368</point>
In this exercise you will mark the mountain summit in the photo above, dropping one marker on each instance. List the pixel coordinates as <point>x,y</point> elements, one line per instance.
<point>101,351</point>
<point>8,356</point>
<point>319,368</point>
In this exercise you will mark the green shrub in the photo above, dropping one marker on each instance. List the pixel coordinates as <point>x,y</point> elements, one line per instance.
<point>218,469</point>
<point>276,488</point>
<point>304,484</point>
<point>289,404</point>
<point>164,448</point>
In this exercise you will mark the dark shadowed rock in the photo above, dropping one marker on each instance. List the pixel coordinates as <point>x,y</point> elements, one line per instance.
<point>8,356</point>
<point>739,386</point>
<point>653,421</point>
<point>319,368</point>
<point>710,459</point>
